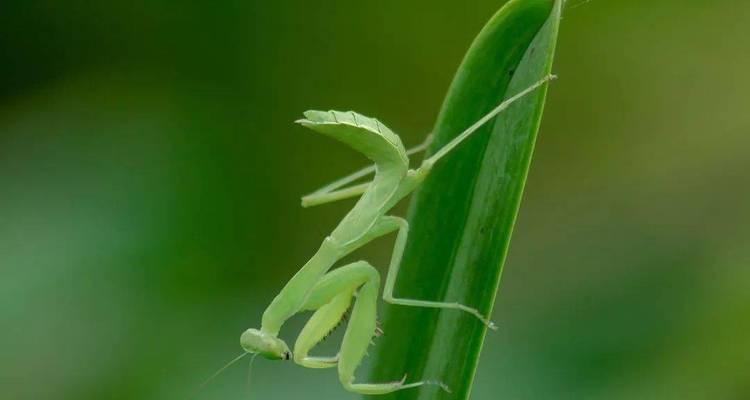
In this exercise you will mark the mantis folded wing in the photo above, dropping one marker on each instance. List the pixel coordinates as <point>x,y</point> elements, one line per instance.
<point>331,293</point>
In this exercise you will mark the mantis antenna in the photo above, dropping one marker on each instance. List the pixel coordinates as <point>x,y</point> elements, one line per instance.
<point>222,369</point>
<point>229,364</point>
<point>250,371</point>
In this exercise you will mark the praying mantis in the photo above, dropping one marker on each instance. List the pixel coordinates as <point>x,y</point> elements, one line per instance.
<point>329,294</point>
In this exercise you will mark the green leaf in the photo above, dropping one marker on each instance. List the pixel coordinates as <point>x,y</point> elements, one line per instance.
<point>462,217</point>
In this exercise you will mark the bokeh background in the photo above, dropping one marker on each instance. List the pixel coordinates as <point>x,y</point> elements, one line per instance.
<point>150,177</point>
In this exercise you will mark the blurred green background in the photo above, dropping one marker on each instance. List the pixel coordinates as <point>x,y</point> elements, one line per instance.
<point>150,177</point>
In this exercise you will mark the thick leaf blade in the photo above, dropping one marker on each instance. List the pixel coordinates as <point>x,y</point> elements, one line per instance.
<point>462,217</point>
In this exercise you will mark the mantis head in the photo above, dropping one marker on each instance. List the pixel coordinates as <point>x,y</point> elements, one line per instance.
<point>269,346</point>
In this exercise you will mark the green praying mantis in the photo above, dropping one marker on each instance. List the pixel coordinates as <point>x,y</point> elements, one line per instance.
<point>329,294</point>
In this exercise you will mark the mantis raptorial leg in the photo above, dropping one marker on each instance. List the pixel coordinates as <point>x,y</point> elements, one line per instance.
<point>331,293</point>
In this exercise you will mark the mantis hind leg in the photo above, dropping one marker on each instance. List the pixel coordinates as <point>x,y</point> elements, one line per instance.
<point>328,193</point>
<point>318,198</point>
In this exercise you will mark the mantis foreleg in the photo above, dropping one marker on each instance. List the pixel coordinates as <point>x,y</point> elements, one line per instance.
<point>331,297</point>
<point>327,317</point>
